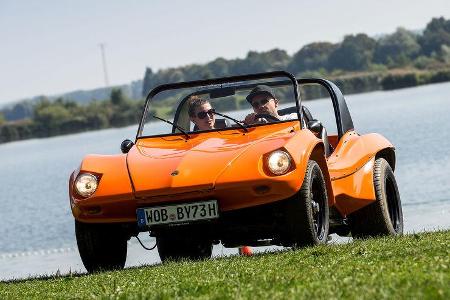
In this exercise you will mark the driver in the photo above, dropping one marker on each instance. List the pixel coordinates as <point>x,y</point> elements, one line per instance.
<point>263,101</point>
<point>201,113</point>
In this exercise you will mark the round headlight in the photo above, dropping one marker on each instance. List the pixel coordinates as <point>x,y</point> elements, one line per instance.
<point>279,162</point>
<point>86,184</point>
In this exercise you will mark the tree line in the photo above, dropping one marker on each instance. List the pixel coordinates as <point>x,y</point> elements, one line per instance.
<point>359,63</point>
<point>428,50</point>
<point>58,117</point>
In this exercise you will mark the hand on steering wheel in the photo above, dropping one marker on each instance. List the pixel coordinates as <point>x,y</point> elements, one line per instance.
<point>266,116</point>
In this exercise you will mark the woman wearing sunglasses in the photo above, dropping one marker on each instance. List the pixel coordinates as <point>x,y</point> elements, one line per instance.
<point>201,113</point>
<point>263,101</point>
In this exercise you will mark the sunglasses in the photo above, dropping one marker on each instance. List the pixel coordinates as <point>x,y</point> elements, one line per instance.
<point>261,102</point>
<point>202,114</point>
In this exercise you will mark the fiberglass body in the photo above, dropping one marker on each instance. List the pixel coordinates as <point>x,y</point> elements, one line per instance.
<point>229,166</point>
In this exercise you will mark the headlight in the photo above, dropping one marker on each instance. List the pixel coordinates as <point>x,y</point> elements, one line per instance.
<point>279,162</point>
<point>86,184</point>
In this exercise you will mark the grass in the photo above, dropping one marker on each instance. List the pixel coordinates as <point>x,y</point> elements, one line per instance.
<point>410,267</point>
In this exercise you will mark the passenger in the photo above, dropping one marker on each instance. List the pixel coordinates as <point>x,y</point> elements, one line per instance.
<point>263,101</point>
<point>201,113</point>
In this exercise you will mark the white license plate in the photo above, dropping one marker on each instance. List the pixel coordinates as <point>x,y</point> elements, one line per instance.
<point>179,213</point>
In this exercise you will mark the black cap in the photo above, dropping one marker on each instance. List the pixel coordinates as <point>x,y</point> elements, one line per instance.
<point>258,90</point>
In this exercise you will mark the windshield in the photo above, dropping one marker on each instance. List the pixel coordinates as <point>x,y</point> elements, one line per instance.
<point>238,102</point>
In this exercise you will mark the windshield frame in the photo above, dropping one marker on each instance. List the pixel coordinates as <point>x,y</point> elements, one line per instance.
<point>218,81</point>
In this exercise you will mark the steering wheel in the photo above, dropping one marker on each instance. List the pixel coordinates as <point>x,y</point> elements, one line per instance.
<point>266,116</point>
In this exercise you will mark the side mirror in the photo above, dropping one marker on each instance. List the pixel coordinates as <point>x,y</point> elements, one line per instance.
<point>126,146</point>
<point>316,127</point>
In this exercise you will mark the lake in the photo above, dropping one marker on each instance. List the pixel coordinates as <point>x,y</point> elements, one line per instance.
<point>36,224</point>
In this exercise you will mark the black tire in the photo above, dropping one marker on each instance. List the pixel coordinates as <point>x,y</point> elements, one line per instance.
<point>102,247</point>
<point>384,216</point>
<point>176,249</point>
<point>307,213</point>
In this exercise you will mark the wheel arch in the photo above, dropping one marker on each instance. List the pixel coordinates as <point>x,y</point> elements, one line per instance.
<point>389,155</point>
<point>305,146</point>
<point>351,167</point>
<point>318,155</point>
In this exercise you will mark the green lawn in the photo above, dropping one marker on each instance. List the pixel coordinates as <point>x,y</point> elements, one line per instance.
<point>414,266</point>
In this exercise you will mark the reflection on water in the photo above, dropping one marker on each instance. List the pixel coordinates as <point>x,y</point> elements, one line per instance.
<point>35,213</point>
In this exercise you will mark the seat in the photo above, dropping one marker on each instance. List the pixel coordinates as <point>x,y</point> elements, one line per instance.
<point>220,123</point>
<point>307,114</point>
<point>326,144</point>
<point>293,109</point>
<point>319,131</point>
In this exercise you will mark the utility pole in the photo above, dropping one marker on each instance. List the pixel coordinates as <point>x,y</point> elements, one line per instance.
<point>105,70</point>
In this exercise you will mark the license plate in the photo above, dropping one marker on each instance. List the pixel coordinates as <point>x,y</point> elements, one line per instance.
<point>179,213</point>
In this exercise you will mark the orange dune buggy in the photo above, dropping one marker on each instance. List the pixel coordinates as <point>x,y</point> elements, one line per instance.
<point>278,181</point>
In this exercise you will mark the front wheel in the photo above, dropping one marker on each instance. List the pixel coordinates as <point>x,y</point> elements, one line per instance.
<point>384,216</point>
<point>307,212</point>
<point>102,247</point>
<point>176,249</point>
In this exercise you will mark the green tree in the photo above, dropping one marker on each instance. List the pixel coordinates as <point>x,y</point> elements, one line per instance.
<point>123,110</point>
<point>436,35</point>
<point>147,83</point>
<point>98,114</point>
<point>276,59</point>
<point>219,67</point>
<point>353,54</point>
<point>8,133</point>
<point>117,97</point>
<point>311,57</point>
<point>50,116</point>
<point>397,49</point>
<point>256,62</point>
<point>445,53</point>
<point>19,111</point>
<point>176,75</point>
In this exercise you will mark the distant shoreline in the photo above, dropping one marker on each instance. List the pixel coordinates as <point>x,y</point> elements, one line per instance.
<point>355,83</point>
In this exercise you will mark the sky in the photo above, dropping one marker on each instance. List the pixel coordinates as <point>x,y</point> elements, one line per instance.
<point>51,47</point>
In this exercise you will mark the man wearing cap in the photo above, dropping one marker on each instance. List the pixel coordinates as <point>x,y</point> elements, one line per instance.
<point>263,101</point>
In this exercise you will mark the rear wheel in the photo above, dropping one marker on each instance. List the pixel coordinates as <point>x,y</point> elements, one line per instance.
<point>176,249</point>
<point>384,216</point>
<point>307,212</point>
<point>101,246</point>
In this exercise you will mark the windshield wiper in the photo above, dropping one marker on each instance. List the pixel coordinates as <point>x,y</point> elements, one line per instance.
<point>233,119</point>
<point>171,123</point>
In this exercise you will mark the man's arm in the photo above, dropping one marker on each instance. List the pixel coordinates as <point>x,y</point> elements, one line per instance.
<point>291,116</point>
<point>250,119</point>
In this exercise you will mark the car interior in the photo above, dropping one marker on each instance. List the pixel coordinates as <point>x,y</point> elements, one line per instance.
<point>314,125</point>
<point>311,122</point>
<point>220,123</point>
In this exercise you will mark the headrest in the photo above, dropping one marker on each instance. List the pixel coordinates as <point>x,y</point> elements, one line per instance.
<point>307,114</point>
<point>289,110</point>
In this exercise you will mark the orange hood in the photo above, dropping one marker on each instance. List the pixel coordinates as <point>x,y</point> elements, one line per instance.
<point>172,165</point>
